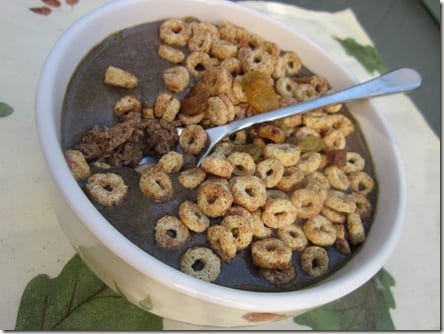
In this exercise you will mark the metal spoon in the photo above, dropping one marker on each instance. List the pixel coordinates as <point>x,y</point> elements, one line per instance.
<point>398,81</point>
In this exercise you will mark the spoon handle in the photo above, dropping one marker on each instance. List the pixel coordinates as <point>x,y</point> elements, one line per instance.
<point>401,80</point>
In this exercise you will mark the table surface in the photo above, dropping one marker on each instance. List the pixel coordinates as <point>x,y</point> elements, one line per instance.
<point>39,261</point>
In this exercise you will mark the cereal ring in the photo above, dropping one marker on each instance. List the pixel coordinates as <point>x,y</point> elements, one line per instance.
<point>320,231</point>
<point>220,109</point>
<point>171,162</point>
<point>341,123</point>
<point>308,202</point>
<point>270,253</point>
<point>223,49</point>
<point>293,235</point>
<point>276,194</point>
<point>271,132</point>
<point>340,201</point>
<point>270,171</point>
<point>170,232</point>
<point>239,137</point>
<point>238,90</point>
<point>142,168</point>
<point>316,120</point>
<point>279,212</point>
<point>198,27</point>
<point>287,154</point>
<point>233,65</point>
<point>333,215</point>
<point>218,165</point>
<point>355,229</point>
<point>193,139</point>
<point>314,261</point>
<point>222,241</point>
<point>258,227</point>
<point>77,164</point>
<point>280,68</point>
<point>304,92</point>
<point>243,163</point>
<point>301,132</point>
<point>219,80</point>
<point>285,86</point>
<point>317,181</point>
<point>248,191</point>
<point>355,163</point>
<point>240,228</point>
<point>197,63</point>
<point>363,205</point>
<point>175,32</point>
<point>319,83</point>
<point>337,177</point>
<point>341,243</point>
<point>214,199</point>
<point>309,162</point>
<point>335,140</point>
<point>271,48</point>
<point>176,78</point>
<point>224,148</point>
<point>190,119</point>
<point>259,61</point>
<point>279,277</point>
<point>192,218</point>
<point>192,177</point>
<point>233,33</point>
<point>202,263</point>
<point>292,63</point>
<point>126,104</point>
<point>166,106</point>
<point>156,184</point>
<point>291,179</point>
<point>171,54</point>
<point>361,182</point>
<point>200,42</point>
<point>107,189</point>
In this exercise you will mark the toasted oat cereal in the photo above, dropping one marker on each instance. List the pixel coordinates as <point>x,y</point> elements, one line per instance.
<point>120,78</point>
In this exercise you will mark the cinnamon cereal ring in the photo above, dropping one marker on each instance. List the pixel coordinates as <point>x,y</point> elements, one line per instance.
<point>285,86</point>
<point>304,92</point>
<point>197,63</point>
<point>258,227</point>
<point>198,27</point>
<point>270,171</point>
<point>288,154</point>
<point>77,164</point>
<point>355,163</point>
<point>219,80</point>
<point>363,205</point>
<point>340,201</point>
<point>341,123</point>
<point>220,109</point>
<point>279,212</point>
<point>240,229</point>
<point>202,263</point>
<point>238,90</point>
<point>271,132</point>
<point>248,191</point>
<point>320,231</point>
<point>193,139</point>
<point>270,253</point>
<point>292,63</point>
<point>337,177</point>
<point>156,184</point>
<point>218,165</point>
<point>309,162</point>
<point>291,179</point>
<point>341,243</point>
<point>293,235</point>
<point>308,202</point>
<point>233,65</point>
<point>171,162</point>
<point>166,107</point>
<point>361,182</point>
<point>243,163</point>
<point>333,215</point>
<point>214,199</point>
<point>192,217</point>
<point>175,32</point>
<point>192,177</point>
<point>176,78</point>
<point>235,34</point>
<point>259,61</point>
<point>278,276</point>
<point>107,189</point>
<point>223,49</point>
<point>355,229</point>
<point>335,140</point>
<point>201,41</point>
<point>271,48</point>
<point>222,242</point>
<point>314,261</point>
<point>171,54</point>
<point>170,232</point>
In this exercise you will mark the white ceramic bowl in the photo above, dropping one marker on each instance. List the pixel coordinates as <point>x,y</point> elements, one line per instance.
<point>142,279</point>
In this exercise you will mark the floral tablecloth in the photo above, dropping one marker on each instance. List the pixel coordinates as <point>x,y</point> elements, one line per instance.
<point>42,274</point>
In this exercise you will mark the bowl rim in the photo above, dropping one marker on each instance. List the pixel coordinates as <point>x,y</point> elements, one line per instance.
<point>330,289</point>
